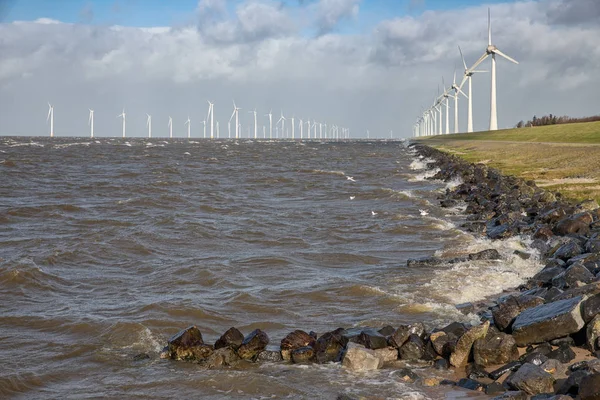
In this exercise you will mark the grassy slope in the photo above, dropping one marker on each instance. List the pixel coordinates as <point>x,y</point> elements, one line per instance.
<point>563,158</point>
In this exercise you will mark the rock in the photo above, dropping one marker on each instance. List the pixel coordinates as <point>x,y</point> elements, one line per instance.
<point>253,345</point>
<point>431,381</point>
<point>448,203</point>
<point>495,348</point>
<point>593,333</point>
<point>564,354</point>
<point>522,255</point>
<point>563,340</point>
<point>534,358</point>
<point>543,232</point>
<point>587,290</point>
<point>329,347</point>
<point>270,356</point>
<point>188,345</point>
<point>387,354</point>
<point>507,310</point>
<point>232,338</point>
<point>343,396</point>
<point>441,364</point>
<point>401,335</point>
<point>576,224</point>
<point>295,340</point>
<point>465,308</point>
<point>476,371</point>
<point>571,276</point>
<point>552,294</point>
<point>406,375</point>
<point>531,379</point>
<point>497,373</point>
<point>455,328</point>
<point>443,343</point>
<point>590,308</point>
<point>460,355</point>
<point>512,395</point>
<point>590,387</point>
<point>222,357</point>
<point>489,254</point>
<point>303,355</point>
<point>548,321</point>
<point>494,388</point>
<point>554,367</point>
<point>568,250</point>
<point>499,232</point>
<point>471,384</point>
<point>573,383</point>
<point>546,275</point>
<point>372,340</point>
<point>412,349</point>
<point>359,358</point>
<point>141,357</point>
<point>387,330</point>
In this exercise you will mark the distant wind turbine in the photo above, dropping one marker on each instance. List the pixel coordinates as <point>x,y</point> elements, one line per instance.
<point>189,125</point>
<point>91,122</point>
<point>492,50</point>
<point>170,127</point>
<point>270,115</point>
<point>51,118</point>
<point>211,115</point>
<point>282,120</point>
<point>301,126</point>
<point>236,110</point>
<point>149,125</point>
<point>293,129</point>
<point>204,135</point>
<point>122,115</point>
<point>255,123</point>
<point>467,76</point>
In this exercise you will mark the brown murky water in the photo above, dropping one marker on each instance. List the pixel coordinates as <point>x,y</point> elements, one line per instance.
<point>108,247</point>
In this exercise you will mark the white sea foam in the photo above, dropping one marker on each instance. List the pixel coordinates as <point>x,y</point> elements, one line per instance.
<point>454,182</point>
<point>424,175</point>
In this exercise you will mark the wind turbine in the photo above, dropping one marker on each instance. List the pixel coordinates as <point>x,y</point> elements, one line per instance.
<point>170,127</point>
<point>122,115</point>
<point>211,115</point>
<point>204,135</point>
<point>149,125</point>
<point>91,122</point>
<point>293,129</point>
<point>236,110</point>
<point>492,50</point>
<point>270,115</point>
<point>189,125</point>
<point>51,118</point>
<point>300,125</point>
<point>255,124</point>
<point>282,120</point>
<point>455,97</point>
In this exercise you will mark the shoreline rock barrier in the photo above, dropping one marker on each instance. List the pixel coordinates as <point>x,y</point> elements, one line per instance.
<point>526,343</point>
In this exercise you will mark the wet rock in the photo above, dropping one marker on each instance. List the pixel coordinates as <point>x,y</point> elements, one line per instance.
<point>563,340</point>
<point>448,203</point>
<point>443,343</point>
<point>141,357</point>
<point>465,308</point>
<point>270,356</point>
<point>511,366</point>
<point>568,250</point>
<point>295,340</point>
<point>387,354</point>
<point>587,290</point>
<point>542,348</point>
<point>329,347</point>
<point>564,354</point>
<point>222,357</point>
<point>522,255</point>
<point>548,321</point>
<point>476,371</point>
<point>372,340</point>
<point>412,349</point>
<point>499,232</point>
<point>387,330</point>
<point>590,308</point>
<point>232,338</point>
<point>495,348</point>
<point>494,388</point>
<point>253,345</point>
<point>534,358</point>
<point>359,358</point>
<point>401,335</point>
<point>507,310</point>
<point>573,383</point>
<point>441,364</point>
<point>552,294</point>
<point>343,396</point>
<point>592,366</point>
<point>590,388</point>
<point>593,333</point>
<point>554,367</point>
<point>471,384</point>
<point>593,245</point>
<point>489,254</point>
<point>546,275</point>
<point>576,224</point>
<point>431,381</point>
<point>406,375</point>
<point>543,232</point>
<point>303,355</point>
<point>512,395</point>
<point>188,345</point>
<point>571,276</point>
<point>455,328</point>
<point>460,355</point>
<point>531,379</point>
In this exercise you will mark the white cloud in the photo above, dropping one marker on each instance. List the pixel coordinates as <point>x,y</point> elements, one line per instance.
<point>331,12</point>
<point>258,55</point>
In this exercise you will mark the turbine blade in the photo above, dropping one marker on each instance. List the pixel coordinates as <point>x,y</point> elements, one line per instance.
<point>462,57</point>
<point>232,114</point>
<point>463,93</point>
<point>483,57</point>
<point>489,28</point>
<point>49,111</point>
<point>505,56</point>
<point>454,79</point>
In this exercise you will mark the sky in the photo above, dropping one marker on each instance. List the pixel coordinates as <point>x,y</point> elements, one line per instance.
<point>361,64</point>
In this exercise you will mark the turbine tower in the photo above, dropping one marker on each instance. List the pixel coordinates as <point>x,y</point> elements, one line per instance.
<point>211,115</point>
<point>170,127</point>
<point>51,118</point>
<point>270,115</point>
<point>235,112</point>
<point>122,115</point>
<point>91,122</point>
<point>282,120</point>
<point>455,97</point>
<point>189,125</point>
<point>492,50</point>
<point>255,124</point>
<point>149,125</point>
<point>301,125</point>
<point>204,135</point>
<point>467,76</point>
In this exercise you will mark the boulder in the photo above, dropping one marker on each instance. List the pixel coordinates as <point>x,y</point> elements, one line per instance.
<point>592,333</point>
<point>554,367</point>
<point>387,330</point>
<point>232,338</point>
<point>497,373</point>
<point>387,354</point>
<point>222,357</point>
<point>460,355</point>
<point>548,321</point>
<point>295,340</point>
<point>590,387</point>
<point>471,384</point>
<point>564,354</point>
<point>568,250</point>
<point>489,254</point>
<point>441,364</point>
<point>412,349</point>
<point>443,343</point>
<point>476,371</point>
<point>358,358</point>
<point>531,379</point>
<point>372,340</point>
<point>590,308</point>
<point>188,345</point>
<point>401,335</point>
<point>587,290</point>
<point>494,388</point>
<point>506,311</point>
<point>546,275</point>
<point>543,232</point>
<point>303,355</point>
<point>512,395</point>
<point>253,345</point>
<point>572,276</point>
<point>573,383</point>
<point>329,347</point>
<point>577,224</point>
<point>406,375</point>
<point>495,348</point>
<point>270,356</point>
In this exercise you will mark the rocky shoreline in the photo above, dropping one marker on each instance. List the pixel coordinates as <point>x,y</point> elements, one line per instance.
<point>539,342</point>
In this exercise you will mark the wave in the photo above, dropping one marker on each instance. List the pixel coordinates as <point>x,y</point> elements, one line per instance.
<point>25,273</point>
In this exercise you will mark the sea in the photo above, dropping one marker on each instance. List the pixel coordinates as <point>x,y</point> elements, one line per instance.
<point>108,247</point>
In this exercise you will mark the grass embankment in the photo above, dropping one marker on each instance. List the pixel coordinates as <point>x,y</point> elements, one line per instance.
<point>563,158</point>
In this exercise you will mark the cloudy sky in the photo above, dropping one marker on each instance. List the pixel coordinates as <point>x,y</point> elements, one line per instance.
<point>362,64</point>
